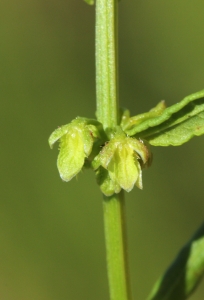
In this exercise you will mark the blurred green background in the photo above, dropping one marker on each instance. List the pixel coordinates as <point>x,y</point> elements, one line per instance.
<point>51,233</point>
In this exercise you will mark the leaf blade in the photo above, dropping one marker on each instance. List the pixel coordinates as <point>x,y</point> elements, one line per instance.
<point>184,106</point>
<point>184,274</point>
<point>179,133</point>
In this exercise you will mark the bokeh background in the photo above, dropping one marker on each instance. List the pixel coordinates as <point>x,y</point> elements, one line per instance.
<point>51,233</point>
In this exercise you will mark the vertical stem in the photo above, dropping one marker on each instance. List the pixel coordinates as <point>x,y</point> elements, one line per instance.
<point>107,114</point>
<point>106,62</point>
<point>116,247</point>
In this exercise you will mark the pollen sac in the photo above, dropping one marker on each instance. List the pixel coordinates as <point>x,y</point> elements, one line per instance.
<point>76,141</point>
<point>123,157</point>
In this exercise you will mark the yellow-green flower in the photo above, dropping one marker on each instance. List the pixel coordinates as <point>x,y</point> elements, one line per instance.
<point>122,157</point>
<point>76,141</point>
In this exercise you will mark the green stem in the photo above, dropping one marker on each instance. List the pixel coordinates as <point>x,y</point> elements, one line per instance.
<point>115,237</point>
<point>107,114</point>
<point>106,62</point>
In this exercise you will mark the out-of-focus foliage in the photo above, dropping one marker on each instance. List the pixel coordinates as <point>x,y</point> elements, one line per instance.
<point>185,273</point>
<point>51,233</point>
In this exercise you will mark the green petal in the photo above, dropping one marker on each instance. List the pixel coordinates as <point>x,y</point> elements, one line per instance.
<point>71,157</point>
<point>88,141</point>
<point>107,153</point>
<point>140,148</point>
<point>138,182</point>
<point>123,168</point>
<point>58,133</point>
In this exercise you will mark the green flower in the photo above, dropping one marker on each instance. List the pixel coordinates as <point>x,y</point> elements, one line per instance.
<point>123,157</point>
<point>76,141</point>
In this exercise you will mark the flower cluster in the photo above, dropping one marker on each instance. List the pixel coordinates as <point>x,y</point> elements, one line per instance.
<point>118,164</point>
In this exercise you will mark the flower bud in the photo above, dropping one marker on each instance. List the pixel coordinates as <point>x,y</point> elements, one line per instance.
<point>107,185</point>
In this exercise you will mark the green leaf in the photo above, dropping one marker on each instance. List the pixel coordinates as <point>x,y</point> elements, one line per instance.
<point>179,134</point>
<point>128,123</point>
<point>176,125</point>
<point>185,273</point>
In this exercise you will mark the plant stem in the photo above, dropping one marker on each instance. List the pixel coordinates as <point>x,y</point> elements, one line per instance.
<point>107,114</point>
<point>115,237</point>
<point>106,62</point>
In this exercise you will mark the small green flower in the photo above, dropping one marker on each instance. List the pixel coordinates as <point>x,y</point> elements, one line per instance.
<point>123,157</point>
<point>76,141</point>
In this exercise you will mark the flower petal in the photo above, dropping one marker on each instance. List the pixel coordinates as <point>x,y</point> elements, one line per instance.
<point>88,141</point>
<point>71,157</point>
<point>58,133</point>
<point>138,182</point>
<point>140,148</point>
<point>107,153</point>
<point>123,168</point>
